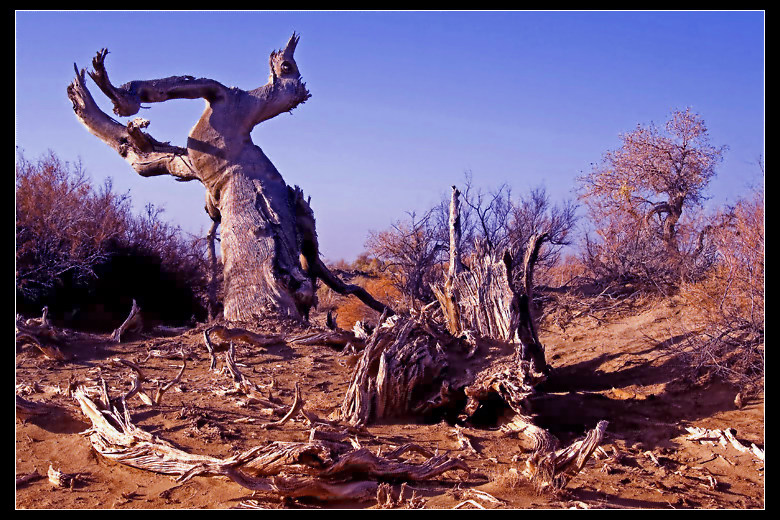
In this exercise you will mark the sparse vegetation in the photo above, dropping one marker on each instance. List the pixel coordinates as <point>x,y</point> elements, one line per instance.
<point>689,283</point>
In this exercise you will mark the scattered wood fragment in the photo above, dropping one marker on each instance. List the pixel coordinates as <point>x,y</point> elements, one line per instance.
<point>469,502</point>
<point>554,469</point>
<point>295,408</point>
<point>724,438</point>
<point>464,443</point>
<point>323,470</point>
<point>26,408</point>
<point>243,385</point>
<point>29,477</point>
<point>139,378</point>
<point>60,479</point>
<point>40,333</point>
<point>133,323</point>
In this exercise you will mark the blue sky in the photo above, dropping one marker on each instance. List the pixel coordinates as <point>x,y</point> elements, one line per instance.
<point>403,103</point>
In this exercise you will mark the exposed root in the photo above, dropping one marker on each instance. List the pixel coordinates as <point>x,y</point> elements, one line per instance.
<point>323,470</point>
<point>227,334</point>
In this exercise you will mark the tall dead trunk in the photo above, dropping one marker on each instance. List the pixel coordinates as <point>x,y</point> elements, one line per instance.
<point>213,270</point>
<point>268,240</point>
<point>486,300</point>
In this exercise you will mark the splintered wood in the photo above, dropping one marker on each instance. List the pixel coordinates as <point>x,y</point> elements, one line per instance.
<point>400,360</point>
<point>725,438</point>
<point>42,334</point>
<point>325,470</point>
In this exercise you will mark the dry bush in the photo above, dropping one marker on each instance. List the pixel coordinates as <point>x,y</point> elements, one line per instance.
<point>81,252</point>
<point>64,226</point>
<point>729,300</point>
<point>351,309</point>
<point>411,253</point>
<point>366,272</point>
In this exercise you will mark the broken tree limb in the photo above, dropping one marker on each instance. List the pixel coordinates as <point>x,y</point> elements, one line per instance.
<point>229,334</point>
<point>296,407</point>
<point>139,378</point>
<point>327,471</point>
<point>331,280</point>
<point>555,469</point>
<point>133,323</point>
<point>247,387</point>
<point>42,334</point>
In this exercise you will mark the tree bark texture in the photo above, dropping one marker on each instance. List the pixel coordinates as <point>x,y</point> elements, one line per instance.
<point>485,300</point>
<point>268,238</point>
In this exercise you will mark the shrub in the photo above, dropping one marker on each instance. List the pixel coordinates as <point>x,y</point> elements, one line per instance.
<point>81,252</point>
<point>729,299</point>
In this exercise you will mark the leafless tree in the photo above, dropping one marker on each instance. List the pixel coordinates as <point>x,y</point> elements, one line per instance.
<point>268,234</point>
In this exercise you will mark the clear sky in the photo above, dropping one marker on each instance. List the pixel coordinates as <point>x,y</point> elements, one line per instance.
<point>403,103</point>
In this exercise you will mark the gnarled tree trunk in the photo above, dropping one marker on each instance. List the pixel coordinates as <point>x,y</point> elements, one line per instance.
<point>268,238</point>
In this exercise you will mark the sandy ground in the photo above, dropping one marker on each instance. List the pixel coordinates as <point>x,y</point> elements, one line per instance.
<point>618,370</point>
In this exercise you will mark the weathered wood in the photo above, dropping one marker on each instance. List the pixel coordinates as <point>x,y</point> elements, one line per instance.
<point>400,372</point>
<point>268,240</point>
<point>42,334</point>
<point>324,470</point>
<point>133,323</point>
<point>485,299</point>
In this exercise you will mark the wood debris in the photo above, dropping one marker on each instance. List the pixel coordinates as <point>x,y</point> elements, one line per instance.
<point>726,437</point>
<point>324,470</point>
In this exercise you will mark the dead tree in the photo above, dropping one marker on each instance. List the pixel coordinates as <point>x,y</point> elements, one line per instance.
<point>485,299</point>
<point>268,233</point>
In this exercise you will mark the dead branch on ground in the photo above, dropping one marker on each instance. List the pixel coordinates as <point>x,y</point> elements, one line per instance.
<point>323,470</point>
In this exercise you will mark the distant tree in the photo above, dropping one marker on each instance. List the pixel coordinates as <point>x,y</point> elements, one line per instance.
<point>655,174</point>
<point>637,194</point>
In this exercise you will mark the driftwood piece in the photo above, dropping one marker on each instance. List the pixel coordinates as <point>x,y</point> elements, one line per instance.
<point>42,334</point>
<point>554,469</point>
<point>133,323</point>
<point>323,470</point>
<point>724,438</point>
